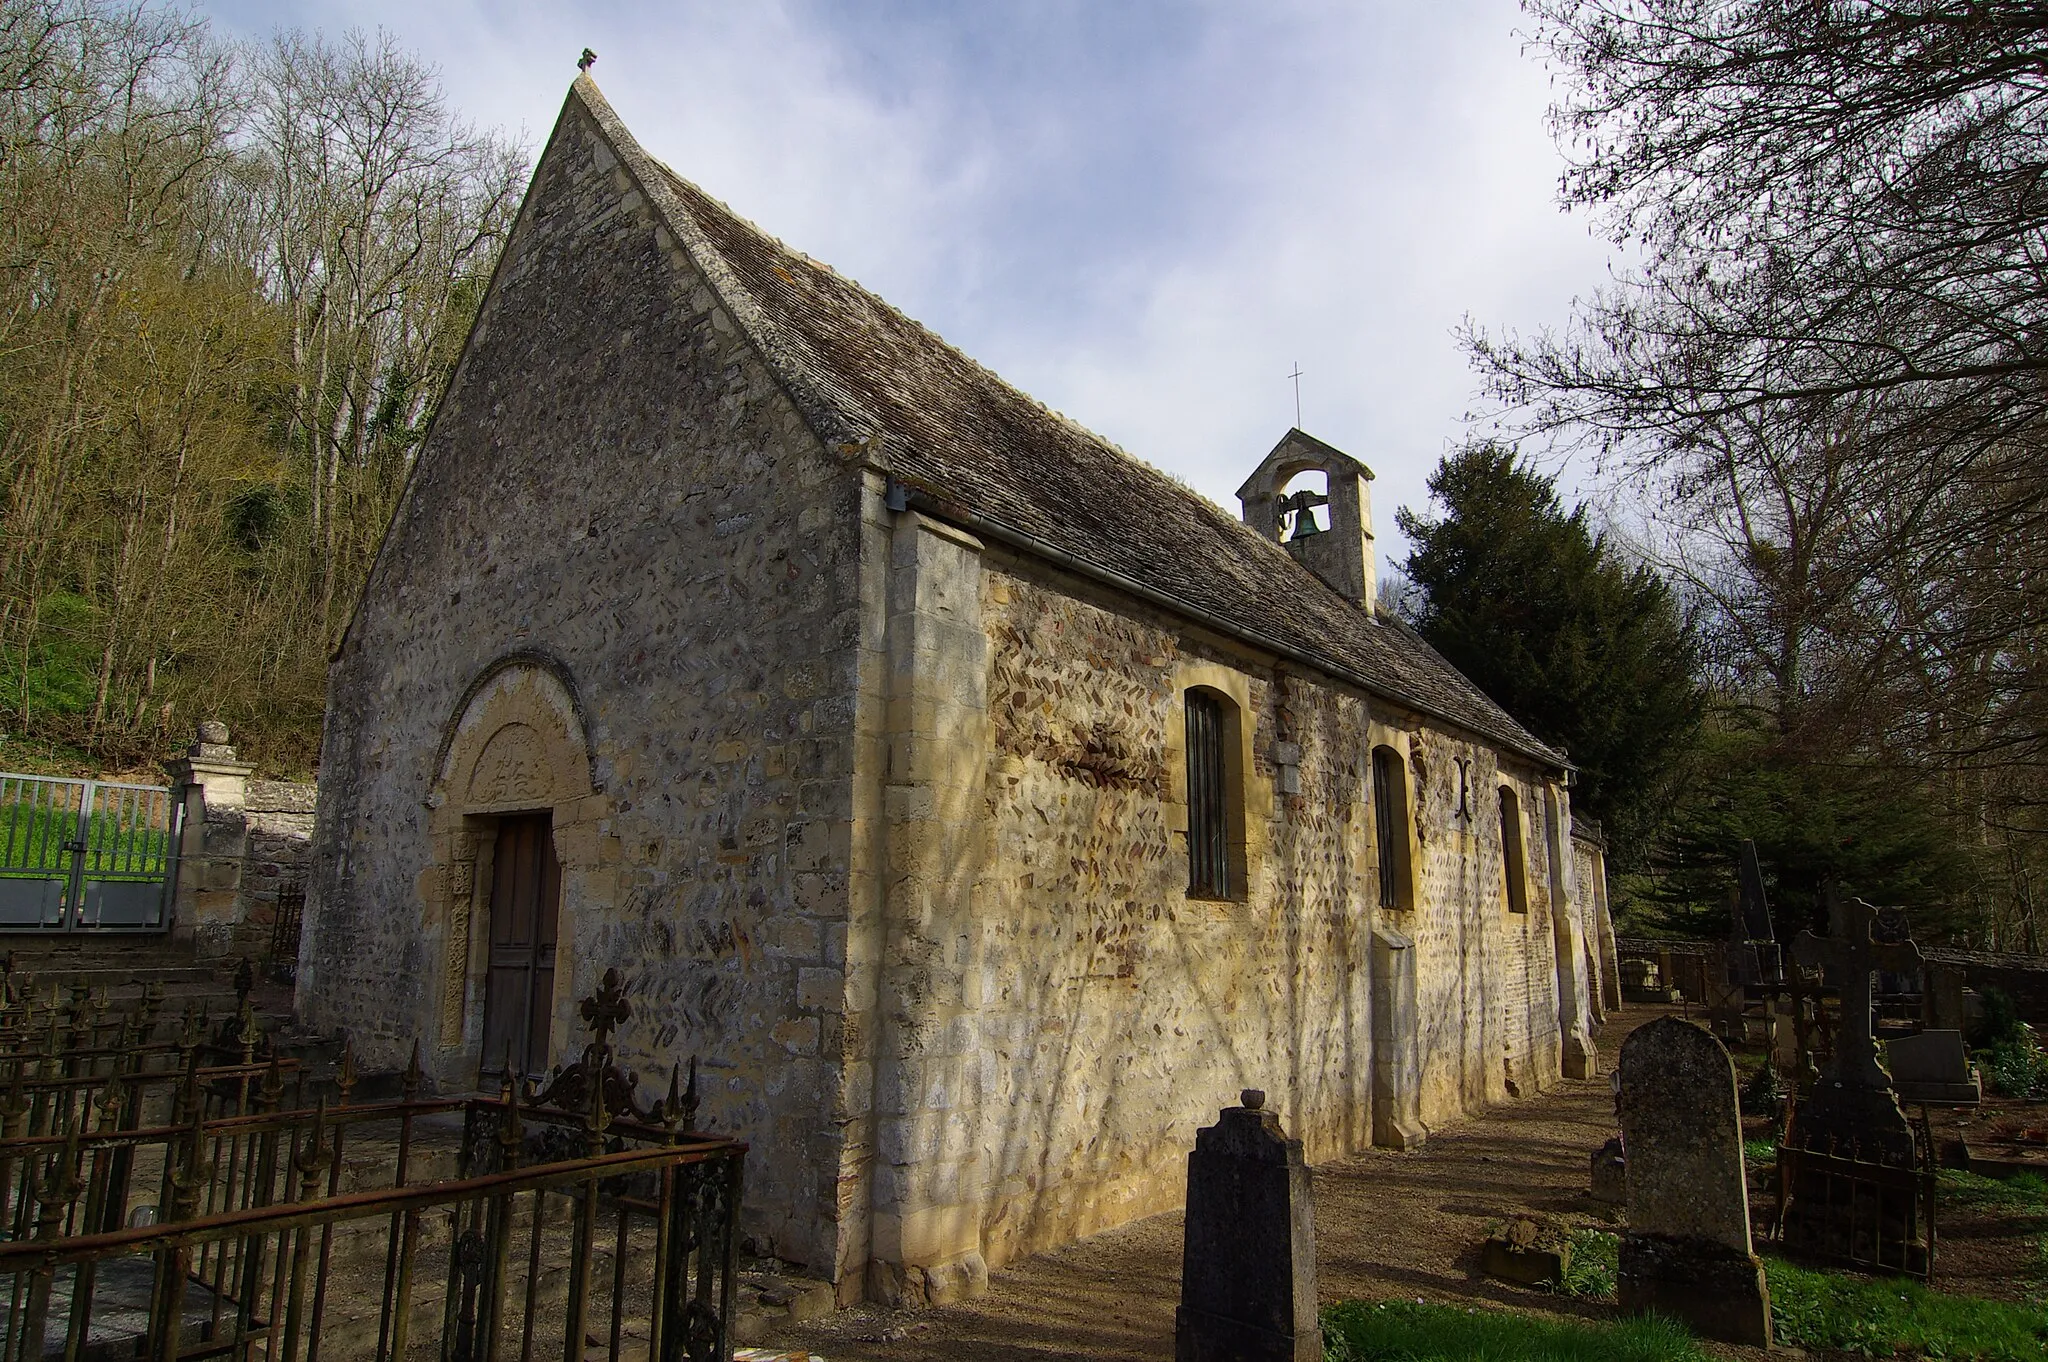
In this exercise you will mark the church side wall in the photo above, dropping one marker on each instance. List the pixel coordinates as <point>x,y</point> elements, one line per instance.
<point>623,528</point>
<point>1486,976</point>
<point>1113,1014</point>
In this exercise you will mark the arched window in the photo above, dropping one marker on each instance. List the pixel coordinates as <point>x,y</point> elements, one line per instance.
<point>1215,797</point>
<point>1390,825</point>
<point>1513,856</point>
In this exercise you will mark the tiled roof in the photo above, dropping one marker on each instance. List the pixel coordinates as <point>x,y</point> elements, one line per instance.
<point>865,374</point>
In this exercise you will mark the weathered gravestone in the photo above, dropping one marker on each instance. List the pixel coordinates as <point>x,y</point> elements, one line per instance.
<point>1852,1110</point>
<point>1610,1174</point>
<point>1854,1199</point>
<point>1687,1249</point>
<point>1248,1257</point>
<point>1933,1068</point>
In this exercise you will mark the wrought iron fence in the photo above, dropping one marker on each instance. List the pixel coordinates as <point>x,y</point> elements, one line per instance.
<point>284,931</point>
<point>557,1220</point>
<point>1856,1212</point>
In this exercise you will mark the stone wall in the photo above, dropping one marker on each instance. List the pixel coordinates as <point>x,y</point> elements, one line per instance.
<point>1054,1016</point>
<point>621,588</point>
<point>244,839</point>
<point>1589,856</point>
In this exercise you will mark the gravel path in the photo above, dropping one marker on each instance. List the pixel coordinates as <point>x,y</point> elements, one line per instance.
<point>1386,1225</point>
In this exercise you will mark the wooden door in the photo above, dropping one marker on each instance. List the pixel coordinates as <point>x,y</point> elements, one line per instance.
<point>519,989</point>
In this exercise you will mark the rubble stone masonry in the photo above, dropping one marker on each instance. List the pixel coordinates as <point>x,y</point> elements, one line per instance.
<point>622,587</point>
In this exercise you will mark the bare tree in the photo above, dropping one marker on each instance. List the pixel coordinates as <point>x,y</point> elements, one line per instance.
<point>379,213</point>
<point>233,282</point>
<point>1828,362</point>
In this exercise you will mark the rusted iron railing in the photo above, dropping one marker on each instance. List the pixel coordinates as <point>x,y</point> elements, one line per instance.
<point>562,1221</point>
<point>1856,1212</point>
<point>282,963</point>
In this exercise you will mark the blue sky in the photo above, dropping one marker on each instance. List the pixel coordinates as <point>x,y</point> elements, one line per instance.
<point>1142,213</point>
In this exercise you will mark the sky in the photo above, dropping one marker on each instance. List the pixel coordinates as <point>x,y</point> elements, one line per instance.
<point>1145,214</point>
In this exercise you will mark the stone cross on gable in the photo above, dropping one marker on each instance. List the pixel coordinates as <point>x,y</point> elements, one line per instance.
<point>1856,955</point>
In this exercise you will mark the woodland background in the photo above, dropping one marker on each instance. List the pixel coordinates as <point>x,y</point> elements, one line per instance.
<point>1811,610</point>
<point>233,280</point>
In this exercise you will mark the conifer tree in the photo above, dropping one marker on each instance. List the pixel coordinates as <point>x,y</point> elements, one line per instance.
<point>1588,651</point>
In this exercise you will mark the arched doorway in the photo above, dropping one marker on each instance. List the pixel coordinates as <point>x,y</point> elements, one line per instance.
<point>515,812</point>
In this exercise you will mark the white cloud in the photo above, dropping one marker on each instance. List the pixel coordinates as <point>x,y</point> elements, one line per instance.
<point>1141,214</point>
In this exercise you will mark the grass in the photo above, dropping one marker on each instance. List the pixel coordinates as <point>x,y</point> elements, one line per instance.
<point>1884,1316</point>
<point>32,838</point>
<point>1759,1153</point>
<point>2027,1192</point>
<point>1401,1331</point>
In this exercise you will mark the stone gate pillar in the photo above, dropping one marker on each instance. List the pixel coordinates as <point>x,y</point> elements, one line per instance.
<point>213,787</point>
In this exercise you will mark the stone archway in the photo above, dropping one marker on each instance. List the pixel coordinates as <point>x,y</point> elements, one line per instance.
<point>517,744</point>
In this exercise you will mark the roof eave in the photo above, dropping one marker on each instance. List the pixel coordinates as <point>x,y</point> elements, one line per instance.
<point>1024,541</point>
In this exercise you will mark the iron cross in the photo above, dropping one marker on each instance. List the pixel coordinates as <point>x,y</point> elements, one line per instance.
<point>1856,955</point>
<point>1296,376</point>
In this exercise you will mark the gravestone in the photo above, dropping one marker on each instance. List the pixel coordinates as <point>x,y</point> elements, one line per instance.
<point>1852,1111</point>
<point>1610,1174</point>
<point>1944,1003</point>
<point>1754,907</point>
<point>1248,1253</point>
<point>1838,1210</point>
<point>1933,1068</point>
<point>1687,1251</point>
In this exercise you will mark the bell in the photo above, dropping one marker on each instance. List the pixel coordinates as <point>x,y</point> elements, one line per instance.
<point>1302,506</point>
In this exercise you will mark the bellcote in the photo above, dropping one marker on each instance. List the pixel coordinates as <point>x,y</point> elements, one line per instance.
<point>1342,553</point>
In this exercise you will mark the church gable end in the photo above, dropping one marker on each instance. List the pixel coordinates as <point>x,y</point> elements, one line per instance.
<point>624,576</point>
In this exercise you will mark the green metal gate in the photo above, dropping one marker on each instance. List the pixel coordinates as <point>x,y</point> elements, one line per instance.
<point>86,855</point>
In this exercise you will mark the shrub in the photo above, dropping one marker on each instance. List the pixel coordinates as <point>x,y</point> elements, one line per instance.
<point>2000,1021</point>
<point>1595,1261</point>
<point>2017,1067</point>
<point>1763,1095</point>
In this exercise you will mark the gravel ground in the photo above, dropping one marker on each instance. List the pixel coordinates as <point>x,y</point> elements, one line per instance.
<point>1387,1225</point>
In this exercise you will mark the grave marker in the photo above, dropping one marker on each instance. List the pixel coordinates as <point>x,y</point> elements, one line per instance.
<point>1933,1068</point>
<point>1610,1174</point>
<point>1852,1175</point>
<point>1248,1255</point>
<point>1687,1249</point>
<point>1852,1110</point>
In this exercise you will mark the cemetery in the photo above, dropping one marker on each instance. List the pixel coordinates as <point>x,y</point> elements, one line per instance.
<point>1679,1208</point>
<point>746,836</point>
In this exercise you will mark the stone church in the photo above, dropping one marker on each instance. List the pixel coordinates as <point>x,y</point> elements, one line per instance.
<point>981,807</point>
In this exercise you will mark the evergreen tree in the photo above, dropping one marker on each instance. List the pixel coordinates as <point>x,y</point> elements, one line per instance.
<point>1589,652</point>
<point>1815,818</point>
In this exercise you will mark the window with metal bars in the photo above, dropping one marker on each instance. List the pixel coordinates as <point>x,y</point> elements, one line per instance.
<point>1209,795</point>
<point>1390,825</point>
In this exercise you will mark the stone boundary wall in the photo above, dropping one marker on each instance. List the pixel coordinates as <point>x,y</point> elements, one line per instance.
<point>243,841</point>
